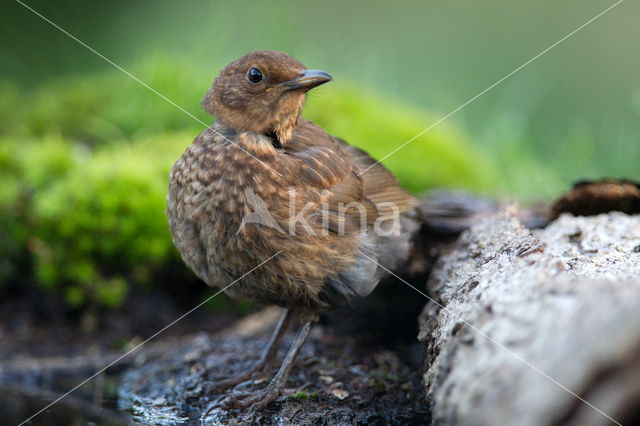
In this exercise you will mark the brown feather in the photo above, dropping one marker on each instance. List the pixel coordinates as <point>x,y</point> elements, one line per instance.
<point>266,151</point>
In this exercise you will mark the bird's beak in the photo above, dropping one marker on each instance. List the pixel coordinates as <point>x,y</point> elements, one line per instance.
<point>308,80</point>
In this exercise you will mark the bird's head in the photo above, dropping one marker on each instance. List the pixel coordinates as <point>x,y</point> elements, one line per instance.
<point>262,92</point>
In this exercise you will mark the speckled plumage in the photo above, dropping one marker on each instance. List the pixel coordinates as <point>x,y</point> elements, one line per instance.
<point>207,199</point>
<point>207,202</point>
<point>260,149</point>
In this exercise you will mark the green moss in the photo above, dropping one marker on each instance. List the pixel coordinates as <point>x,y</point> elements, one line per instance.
<point>103,224</point>
<point>100,108</point>
<point>441,157</point>
<point>301,396</point>
<point>27,168</point>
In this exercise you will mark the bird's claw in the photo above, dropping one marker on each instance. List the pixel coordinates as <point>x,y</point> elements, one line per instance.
<point>222,384</point>
<point>252,400</point>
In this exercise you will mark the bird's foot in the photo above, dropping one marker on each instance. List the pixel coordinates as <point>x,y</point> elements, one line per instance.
<point>253,400</point>
<point>258,367</point>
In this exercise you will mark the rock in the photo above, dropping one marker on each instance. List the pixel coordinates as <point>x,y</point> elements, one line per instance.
<point>536,327</point>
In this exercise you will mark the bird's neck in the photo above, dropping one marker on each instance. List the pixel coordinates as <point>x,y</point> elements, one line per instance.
<point>283,130</point>
<point>284,119</point>
<point>249,141</point>
<point>278,130</point>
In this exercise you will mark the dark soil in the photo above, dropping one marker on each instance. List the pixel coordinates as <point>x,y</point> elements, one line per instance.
<point>360,367</point>
<point>46,350</point>
<point>336,381</point>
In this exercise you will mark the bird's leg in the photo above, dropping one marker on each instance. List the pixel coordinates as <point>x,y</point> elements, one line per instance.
<point>263,397</point>
<point>267,357</point>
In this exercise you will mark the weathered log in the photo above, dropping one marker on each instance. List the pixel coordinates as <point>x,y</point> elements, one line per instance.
<point>536,327</point>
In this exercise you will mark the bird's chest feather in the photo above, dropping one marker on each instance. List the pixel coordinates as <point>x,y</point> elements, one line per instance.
<point>221,190</point>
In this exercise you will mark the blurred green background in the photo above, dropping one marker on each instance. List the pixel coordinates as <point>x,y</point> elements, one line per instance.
<point>85,150</point>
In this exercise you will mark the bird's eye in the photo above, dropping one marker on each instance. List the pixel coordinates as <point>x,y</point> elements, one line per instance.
<point>255,75</point>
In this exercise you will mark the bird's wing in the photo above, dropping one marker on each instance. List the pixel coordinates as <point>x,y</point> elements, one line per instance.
<point>321,166</point>
<point>356,186</point>
<point>341,175</point>
<point>380,185</point>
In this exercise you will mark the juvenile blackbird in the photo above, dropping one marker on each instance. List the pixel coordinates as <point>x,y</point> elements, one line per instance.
<point>324,213</point>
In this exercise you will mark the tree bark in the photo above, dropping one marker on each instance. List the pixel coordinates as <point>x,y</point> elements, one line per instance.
<point>536,327</point>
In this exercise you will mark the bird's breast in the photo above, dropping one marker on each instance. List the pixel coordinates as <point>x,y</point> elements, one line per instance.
<point>221,184</point>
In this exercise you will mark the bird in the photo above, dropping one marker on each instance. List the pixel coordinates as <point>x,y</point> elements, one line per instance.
<point>269,207</point>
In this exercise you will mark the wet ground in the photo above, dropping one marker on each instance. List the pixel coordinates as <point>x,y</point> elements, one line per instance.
<point>336,381</point>
<point>45,352</point>
<point>345,375</point>
<point>19,404</point>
